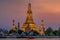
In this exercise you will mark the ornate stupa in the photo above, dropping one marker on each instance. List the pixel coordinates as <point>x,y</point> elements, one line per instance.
<point>42,29</point>
<point>29,20</point>
<point>13,26</point>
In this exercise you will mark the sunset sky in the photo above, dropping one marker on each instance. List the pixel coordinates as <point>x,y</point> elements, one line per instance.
<point>48,10</point>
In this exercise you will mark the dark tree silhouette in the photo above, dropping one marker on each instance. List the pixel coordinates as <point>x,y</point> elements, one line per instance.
<point>49,31</point>
<point>20,31</point>
<point>55,33</point>
<point>12,31</point>
<point>59,32</point>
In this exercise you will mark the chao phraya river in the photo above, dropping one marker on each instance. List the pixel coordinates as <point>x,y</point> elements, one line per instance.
<point>29,38</point>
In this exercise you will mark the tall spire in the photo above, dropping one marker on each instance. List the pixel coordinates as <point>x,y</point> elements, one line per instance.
<point>13,26</point>
<point>29,14</point>
<point>29,8</point>
<point>42,28</point>
<point>29,20</point>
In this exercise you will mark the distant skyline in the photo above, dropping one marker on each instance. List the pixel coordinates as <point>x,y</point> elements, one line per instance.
<point>48,10</point>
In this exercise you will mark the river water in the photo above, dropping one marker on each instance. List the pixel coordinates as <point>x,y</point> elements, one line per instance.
<point>29,38</point>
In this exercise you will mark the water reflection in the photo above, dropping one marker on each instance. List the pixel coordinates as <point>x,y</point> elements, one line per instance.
<point>42,38</point>
<point>29,38</point>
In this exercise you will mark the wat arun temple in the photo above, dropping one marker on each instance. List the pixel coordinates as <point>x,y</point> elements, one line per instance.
<point>29,23</point>
<point>29,29</point>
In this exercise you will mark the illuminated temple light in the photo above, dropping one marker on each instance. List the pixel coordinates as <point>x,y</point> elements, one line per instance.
<point>42,30</point>
<point>30,25</point>
<point>29,20</point>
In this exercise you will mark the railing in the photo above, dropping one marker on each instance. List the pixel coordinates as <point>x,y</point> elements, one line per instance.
<point>30,37</point>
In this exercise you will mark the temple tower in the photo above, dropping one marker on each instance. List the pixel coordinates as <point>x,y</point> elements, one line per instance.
<point>13,25</point>
<point>29,20</point>
<point>42,32</point>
